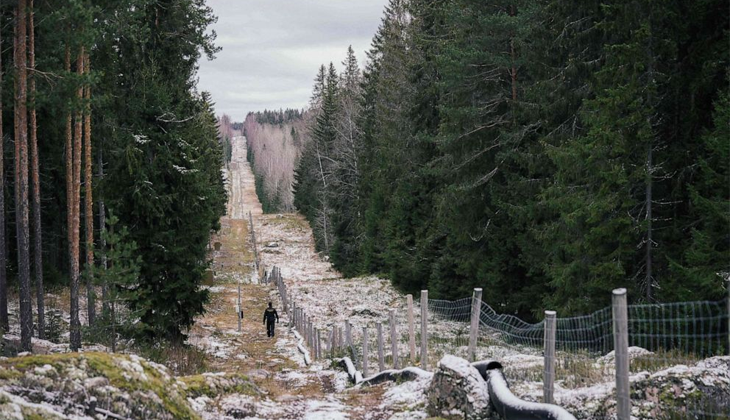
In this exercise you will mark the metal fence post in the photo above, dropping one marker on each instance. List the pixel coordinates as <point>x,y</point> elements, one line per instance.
<point>621,351</point>
<point>381,355</point>
<point>424,329</point>
<point>393,339</point>
<point>476,308</point>
<point>411,329</point>
<point>549,377</point>
<point>365,352</point>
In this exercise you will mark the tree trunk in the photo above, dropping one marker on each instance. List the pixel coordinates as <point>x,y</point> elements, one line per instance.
<point>89,211</point>
<point>21,177</point>
<point>78,135</point>
<point>75,328</point>
<point>513,71</point>
<point>102,226</point>
<point>3,253</point>
<point>36,185</point>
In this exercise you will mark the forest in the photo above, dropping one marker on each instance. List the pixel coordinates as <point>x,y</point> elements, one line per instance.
<point>275,140</point>
<point>545,151</point>
<point>109,153</point>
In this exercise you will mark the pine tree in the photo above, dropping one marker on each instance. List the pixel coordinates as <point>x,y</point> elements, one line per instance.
<point>88,195</point>
<point>75,325</point>
<point>21,175</point>
<point>35,178</point>
<point>4,324</point>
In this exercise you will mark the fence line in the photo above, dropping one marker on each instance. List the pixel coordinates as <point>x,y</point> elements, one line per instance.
<point>573,351</point>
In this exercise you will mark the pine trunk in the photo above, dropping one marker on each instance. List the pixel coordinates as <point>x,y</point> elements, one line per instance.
<point>21,177</point>
<point>36,185</point>
<point>89,210</point>
<point>3,253</point>
<point>78,136</point>
<point>75,328</point>
<point>102,226</point>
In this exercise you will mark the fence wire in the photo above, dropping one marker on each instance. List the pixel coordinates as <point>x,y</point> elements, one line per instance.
<point>664,339</point>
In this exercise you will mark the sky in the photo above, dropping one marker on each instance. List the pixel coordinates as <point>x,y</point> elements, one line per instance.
<point>271,49</point>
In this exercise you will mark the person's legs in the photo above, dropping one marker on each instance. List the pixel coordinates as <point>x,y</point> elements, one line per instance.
<point>270,329</point>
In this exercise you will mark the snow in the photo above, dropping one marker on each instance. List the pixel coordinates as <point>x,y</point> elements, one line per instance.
<point>329,409</point>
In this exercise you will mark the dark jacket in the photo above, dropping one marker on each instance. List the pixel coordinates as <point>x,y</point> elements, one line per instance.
<point>270,315</point>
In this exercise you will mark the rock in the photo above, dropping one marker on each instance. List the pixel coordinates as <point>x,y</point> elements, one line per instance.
<point>634,352</point>
<point>364,312</point>
<point>457,391</point>
<point>96,382</point>
<point>272,245</point>
<point>258,373</point>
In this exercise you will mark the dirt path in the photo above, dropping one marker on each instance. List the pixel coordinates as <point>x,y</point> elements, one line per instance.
<point>292,390</point>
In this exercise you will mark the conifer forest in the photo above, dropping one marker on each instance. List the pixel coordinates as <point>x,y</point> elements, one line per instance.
<point>444,209</point>
<point>548,152</point>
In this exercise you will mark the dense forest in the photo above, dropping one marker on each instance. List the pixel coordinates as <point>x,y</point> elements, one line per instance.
<point>275,140</point>
<point>545,151</point>
<point>124,159</point>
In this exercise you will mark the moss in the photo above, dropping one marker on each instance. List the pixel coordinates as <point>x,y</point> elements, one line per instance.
<point>198,385</point>
<point>107,365</point>
<point>9,374</point>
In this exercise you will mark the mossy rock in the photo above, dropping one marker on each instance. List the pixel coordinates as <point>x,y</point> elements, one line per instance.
<point>137,387</point>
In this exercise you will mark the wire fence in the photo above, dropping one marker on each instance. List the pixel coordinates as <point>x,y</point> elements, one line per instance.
<point>669,350</point>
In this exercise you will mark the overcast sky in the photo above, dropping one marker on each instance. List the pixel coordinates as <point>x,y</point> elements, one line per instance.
<point>273,48</point>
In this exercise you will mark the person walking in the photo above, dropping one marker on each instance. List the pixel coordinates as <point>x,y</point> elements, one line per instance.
<point>270,319</point>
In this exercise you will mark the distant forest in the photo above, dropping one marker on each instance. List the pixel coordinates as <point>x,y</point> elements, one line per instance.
<point>545,151</point>
<point>275,140</point>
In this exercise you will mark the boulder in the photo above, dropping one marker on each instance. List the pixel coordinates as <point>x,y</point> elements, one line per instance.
<point>457,391</point>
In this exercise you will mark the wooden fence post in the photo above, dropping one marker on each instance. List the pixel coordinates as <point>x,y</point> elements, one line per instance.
<point>381,356</point>
<point>348,333</point>
<point>548,385</point>
<point>317,343</point>
<point>621,350</point>
<point>424,329</point>
<point>476,310</point>
<point>253,239</point>
<point>239,310</point>
<point>411,329</point>
<point>365,352</point>
<point>393,339</point>
<point>332,342</point>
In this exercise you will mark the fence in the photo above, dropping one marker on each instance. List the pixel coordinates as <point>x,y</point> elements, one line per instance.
<point>607,346</point>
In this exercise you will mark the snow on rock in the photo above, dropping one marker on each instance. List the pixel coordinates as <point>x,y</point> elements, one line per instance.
<point>407,400</point>
<point>458,391</point>
<point>329,409</point>
<point>78,386</point>
<point>702,387</point>
<point>634,352</point>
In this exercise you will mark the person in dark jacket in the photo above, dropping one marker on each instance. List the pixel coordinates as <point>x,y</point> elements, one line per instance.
<point>270,319</point>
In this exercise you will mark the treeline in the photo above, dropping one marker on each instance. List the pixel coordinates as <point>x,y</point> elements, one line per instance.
<point>545,151</point>
<point>125,180</point>
<point>279,117</point>
<point>226,132</point>
<point>275,140</point>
